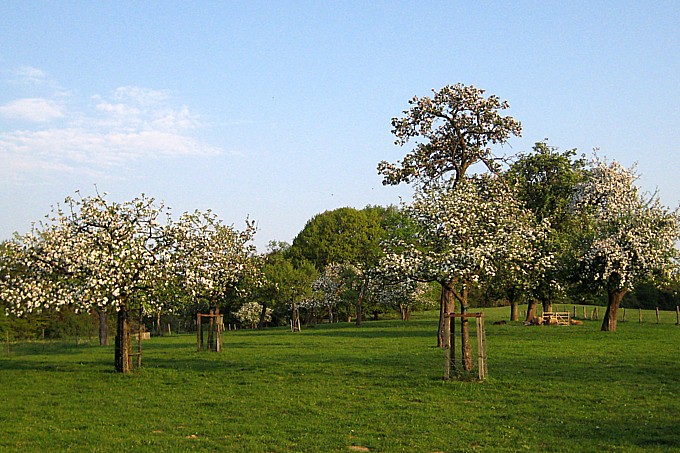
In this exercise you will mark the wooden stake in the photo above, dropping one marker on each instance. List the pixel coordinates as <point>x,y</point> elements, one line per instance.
<point>481,349</point>
<point>657,315</point>
<point>199,333</point>
<point>677,315</point>
<point>640,315</point>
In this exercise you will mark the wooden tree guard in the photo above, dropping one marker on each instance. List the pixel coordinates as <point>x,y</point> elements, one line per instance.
<point>214,328</point>
<point>450,359</point>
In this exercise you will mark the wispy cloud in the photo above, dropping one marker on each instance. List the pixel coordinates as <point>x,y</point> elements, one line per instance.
<point>37,110</point>
<point>97,134</point>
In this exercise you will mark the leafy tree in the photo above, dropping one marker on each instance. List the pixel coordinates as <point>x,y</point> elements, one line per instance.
<point>546,180</point>
<point>343,236</point>
<point>631,237</point>
<point>285,285</point>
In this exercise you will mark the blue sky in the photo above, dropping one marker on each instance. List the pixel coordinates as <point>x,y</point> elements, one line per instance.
<point>280,110</point>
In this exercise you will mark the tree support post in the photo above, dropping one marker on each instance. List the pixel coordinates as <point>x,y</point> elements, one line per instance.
<point>450,363</point>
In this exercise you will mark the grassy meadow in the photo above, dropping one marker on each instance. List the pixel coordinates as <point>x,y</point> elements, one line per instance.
<point>342,388</point>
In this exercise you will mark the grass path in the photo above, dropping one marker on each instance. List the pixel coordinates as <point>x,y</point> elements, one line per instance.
<point>342,388</point>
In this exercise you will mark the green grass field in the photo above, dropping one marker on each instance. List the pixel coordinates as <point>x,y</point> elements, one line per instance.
<point>343,388</point>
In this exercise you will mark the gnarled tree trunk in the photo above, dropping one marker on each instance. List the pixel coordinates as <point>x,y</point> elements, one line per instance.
<point>615,298</point>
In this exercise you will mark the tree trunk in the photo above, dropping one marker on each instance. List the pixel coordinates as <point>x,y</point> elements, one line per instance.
<point>531,310</point>
<point>615,298</point>
<point>446,305</point>
<point>123,360</point>
<point>466,348</point>
<point>514,311</point>
<point>547,305</point>
<point>103,327</point>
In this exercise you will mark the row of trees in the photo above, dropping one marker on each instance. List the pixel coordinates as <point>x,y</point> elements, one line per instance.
<point>534,228</point>
<point>93,255</point>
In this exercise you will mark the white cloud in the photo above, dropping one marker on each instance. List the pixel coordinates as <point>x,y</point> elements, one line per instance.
<point>37,110</point>
<point>128,125</point>
<point>29,74</point>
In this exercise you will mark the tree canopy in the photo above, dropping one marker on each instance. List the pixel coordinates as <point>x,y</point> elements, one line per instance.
<point>453,130</point>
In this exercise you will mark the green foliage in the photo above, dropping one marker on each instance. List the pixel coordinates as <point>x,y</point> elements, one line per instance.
<point>344,235</point>
<point>284,283</point>
<point>335,386</point>
<point>546,181</point>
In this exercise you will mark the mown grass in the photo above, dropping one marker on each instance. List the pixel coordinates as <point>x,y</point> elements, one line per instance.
<point>343,388</point>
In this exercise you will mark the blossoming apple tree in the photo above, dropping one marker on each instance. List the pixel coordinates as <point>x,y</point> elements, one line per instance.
<point>93,254</point>
<point>463,234</point>
<point>212,260</point>
<point>451,131</point>
<point>629,237</point>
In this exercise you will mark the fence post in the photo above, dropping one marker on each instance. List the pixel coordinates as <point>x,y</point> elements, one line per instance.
<point>657,315</point>
<point>677,315</point>
<point>640,315</point>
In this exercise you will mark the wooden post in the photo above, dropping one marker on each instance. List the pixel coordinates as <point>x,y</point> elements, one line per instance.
<point>657,315</point>
<point>481,348</point>
<point>220,329</point>
<point>574,316</point>
<point>640,315</point>
<point>594,316</point>
<point>624,315</point>
<point>585,313</point>
<point>199,332</point>
<point>677,315</point>
<point>448,352</point>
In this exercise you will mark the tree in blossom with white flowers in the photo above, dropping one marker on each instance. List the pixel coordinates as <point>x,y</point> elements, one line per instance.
<point>629,237</point>
<point>211,260</point>
<point>250,314</point>
<point>92,254</point>
<point>451,131</point>
<point>463,235</point>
